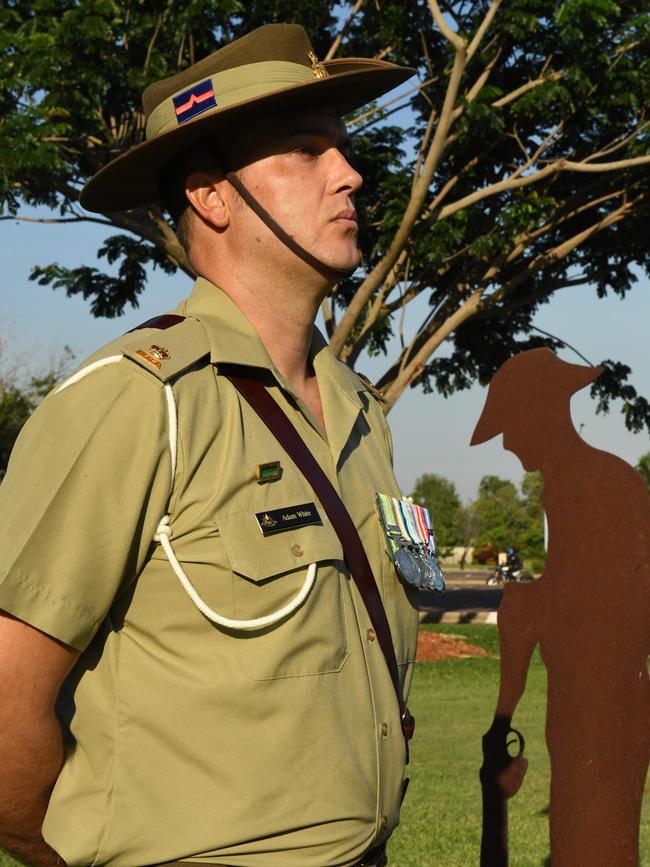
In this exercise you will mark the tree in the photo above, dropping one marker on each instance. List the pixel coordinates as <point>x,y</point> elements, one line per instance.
<point>440,497</point>
<point>519,170</point>
<point>498,511</point>
<point>502,518</point>
<point>644,468</point>
<point>15,408</point>
<point>532,486</point>
<point>19,397</point>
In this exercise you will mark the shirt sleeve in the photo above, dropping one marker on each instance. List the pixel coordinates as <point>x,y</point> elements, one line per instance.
<point>86,486</point>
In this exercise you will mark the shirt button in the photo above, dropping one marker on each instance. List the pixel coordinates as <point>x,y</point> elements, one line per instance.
<point>384,821</point>
<point>371,634</point>
<point>296,550</point>
<point>384,730</point>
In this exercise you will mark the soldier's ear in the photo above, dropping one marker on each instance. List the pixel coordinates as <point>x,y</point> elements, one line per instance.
<point>206,196</point>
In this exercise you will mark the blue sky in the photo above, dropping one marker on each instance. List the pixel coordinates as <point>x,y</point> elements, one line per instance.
<point>431,433</point>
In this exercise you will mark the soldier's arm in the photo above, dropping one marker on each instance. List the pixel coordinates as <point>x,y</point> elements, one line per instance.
<point>518,635</point>
<point>32,668</point>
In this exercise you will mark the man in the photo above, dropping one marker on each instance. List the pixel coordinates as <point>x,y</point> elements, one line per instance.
<point>166,561</point>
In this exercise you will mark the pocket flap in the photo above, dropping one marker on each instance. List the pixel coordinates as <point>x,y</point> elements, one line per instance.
<point>259,557</point>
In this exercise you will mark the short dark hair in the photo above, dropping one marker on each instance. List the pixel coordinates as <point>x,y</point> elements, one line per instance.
<point>207,155</point>
<point>172,193</point>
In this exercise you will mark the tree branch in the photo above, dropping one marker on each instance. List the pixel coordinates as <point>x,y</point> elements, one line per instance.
<point>480,33</point>
<point>478,304</point>
<point>416,365</point>
<point>513,183</point>
<point>23,219</point>
<point>402,98</point>
<point>453,38</point>
<point>152,42</point>
<point>426,138</point>
<point>334,47</point>
<point>481,81</point>
<point>617,144</point>
<point>560,251</point>
<point>584,166</point>
<point>519,91</point>
<point>379,273</point>
<point>328,318</point>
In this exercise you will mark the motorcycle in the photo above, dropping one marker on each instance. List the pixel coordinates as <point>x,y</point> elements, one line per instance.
<point>509,568</point>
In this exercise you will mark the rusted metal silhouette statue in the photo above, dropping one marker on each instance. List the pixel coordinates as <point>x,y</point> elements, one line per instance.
<point>590,614</point>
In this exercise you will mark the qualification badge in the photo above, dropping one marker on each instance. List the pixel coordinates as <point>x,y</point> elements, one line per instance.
<point>411,545</point>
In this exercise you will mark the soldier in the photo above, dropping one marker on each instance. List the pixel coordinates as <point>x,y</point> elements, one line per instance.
<point>181,580</point>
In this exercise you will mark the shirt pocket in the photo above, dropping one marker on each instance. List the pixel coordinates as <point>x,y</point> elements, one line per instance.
<point>267,573</point>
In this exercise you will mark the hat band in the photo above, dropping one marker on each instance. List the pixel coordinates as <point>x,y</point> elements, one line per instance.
<point>225,89</point>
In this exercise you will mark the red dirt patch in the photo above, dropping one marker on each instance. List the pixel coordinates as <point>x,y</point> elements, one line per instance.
<point>434,647</point>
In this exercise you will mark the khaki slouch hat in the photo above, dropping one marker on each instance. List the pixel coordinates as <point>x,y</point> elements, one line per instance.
<point>271,69</point>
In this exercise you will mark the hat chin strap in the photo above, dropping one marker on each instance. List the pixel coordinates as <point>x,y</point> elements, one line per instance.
<point>334,274</point>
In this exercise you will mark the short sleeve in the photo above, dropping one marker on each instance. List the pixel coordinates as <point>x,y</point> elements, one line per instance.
<point>86,485</point>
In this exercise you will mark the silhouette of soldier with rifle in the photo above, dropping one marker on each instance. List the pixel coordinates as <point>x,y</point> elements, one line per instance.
<point>590,614</point>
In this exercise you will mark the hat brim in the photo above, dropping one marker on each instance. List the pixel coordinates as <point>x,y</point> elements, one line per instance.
<point>131,180</point>
<point>489,425</point>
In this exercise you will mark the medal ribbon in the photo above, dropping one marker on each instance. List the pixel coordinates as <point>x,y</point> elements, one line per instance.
<point>422,524</point>
<point>388,520</point>
<point>398,518</point>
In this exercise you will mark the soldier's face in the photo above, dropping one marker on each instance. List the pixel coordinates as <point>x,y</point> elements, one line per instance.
<point>297,164</point>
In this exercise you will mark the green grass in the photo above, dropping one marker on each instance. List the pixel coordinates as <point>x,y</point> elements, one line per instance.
<point>453,702</point>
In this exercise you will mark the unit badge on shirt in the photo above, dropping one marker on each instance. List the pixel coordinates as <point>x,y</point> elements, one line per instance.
<point>411,545</point>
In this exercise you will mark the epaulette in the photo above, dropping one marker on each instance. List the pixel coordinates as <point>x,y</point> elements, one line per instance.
<point>165,346</point>
<point>374,391</point>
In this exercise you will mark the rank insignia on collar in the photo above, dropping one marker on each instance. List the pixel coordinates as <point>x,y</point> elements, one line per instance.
<point>317,67</point>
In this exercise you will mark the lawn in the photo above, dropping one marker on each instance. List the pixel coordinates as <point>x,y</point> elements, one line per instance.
<point>453,702</point>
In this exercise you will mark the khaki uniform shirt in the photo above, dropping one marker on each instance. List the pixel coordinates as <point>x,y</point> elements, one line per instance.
<point>277,747</point>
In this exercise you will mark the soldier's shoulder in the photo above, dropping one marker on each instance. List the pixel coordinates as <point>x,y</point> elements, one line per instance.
<point>370,387</point>
<point>162,348</point>
<point>166,346</point>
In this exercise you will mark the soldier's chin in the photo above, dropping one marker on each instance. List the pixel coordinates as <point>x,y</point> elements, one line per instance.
<point>528,462</point>
<point>347,264</point>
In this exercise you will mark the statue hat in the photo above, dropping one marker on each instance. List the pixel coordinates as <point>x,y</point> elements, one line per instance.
<point>530,384</point>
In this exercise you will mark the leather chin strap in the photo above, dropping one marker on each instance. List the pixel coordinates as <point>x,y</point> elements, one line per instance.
<point>334,274</point>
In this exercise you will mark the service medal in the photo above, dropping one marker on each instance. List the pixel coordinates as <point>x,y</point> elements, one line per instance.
<point>409,541</point>
<point>408,567</point>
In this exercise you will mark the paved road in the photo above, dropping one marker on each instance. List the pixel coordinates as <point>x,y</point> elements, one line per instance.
<point>467,599</point>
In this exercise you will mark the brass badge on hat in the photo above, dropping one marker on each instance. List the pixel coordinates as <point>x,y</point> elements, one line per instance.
<point>317,67</point>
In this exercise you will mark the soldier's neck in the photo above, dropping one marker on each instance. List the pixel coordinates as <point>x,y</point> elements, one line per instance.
<point>284,319</point>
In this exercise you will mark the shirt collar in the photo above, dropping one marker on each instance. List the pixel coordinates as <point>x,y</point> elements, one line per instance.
<point>234,340</point>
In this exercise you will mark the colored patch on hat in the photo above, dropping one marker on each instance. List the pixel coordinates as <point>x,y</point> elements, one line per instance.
<point>197,99</point>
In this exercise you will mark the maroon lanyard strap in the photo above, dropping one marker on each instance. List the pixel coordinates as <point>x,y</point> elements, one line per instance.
<point>353,551</point>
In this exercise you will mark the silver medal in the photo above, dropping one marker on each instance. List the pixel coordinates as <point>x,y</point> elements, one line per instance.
<point>408,566</point>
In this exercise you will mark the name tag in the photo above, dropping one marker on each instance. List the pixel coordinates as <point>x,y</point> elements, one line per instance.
<point>277,520</point>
